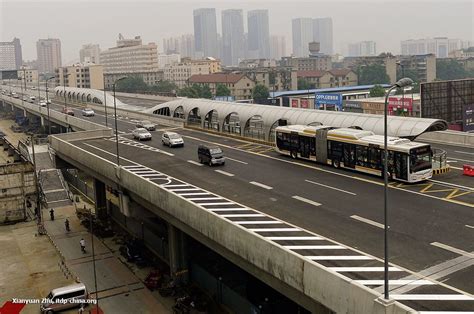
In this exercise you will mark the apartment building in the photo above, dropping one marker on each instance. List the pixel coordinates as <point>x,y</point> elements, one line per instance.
<point>81,75</point>
<point>240,85</point>
<point>29,75</point>
<point>387,61</point>
<point>423,65</point>
<point>328,79</point>
<point>314,63</point>
<point>179,73</point>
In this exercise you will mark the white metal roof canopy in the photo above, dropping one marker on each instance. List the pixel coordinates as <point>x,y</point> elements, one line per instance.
<point>397,126</point>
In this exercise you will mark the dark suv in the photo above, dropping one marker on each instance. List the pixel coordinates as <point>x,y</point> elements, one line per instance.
<point>211,155</point>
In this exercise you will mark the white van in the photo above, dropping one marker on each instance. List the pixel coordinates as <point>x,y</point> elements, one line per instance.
<point>65,298</point>
<point>32,99</point>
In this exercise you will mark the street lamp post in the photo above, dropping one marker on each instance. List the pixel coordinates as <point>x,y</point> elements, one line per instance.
<point>399,84</point>
<point>47,104</point>
<point>105,103</point>
<point>115,114</point>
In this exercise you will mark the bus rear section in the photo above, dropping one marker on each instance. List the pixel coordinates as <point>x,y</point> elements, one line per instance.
<point>357,150</point>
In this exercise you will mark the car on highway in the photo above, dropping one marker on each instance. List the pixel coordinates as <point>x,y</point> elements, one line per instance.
<point>172,139</point>
<point>33,87</point>
<point>141,134</point>
<point>32,99</point>
<point>211,155</point>
<point>67,111</point>
<point>42,104</point>
<point>150,126</point>
<point>88,112</point>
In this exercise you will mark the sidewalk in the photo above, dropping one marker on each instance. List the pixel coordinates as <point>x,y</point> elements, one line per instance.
<point>119,290</point>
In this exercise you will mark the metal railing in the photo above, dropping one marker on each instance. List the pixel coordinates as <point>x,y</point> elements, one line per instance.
<point>439,160</point>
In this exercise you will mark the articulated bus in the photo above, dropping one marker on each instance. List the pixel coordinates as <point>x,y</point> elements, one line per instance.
<point>356,150</point>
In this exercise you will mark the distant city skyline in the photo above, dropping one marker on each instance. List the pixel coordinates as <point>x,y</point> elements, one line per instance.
<point>155,21</point>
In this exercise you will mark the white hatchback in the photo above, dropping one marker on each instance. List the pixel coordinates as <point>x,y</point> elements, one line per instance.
<point>172,139</point>
<point>141,134</point>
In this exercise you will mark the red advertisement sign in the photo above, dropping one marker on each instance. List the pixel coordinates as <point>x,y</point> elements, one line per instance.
<point>304,103</point>
<point>294,103</point>
<point>400,106</point>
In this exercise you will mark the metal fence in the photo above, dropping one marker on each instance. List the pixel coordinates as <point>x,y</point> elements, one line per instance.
<point>439,160</point>
<point>70,175</point>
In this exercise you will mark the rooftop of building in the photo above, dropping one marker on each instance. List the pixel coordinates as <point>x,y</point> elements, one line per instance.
<point>216,78</point>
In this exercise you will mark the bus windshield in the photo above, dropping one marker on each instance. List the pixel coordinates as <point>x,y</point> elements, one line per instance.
<point>420,159</point>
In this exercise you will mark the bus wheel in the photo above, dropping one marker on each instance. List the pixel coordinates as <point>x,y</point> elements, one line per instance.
<point>293,154</point>
<point>336,163</point>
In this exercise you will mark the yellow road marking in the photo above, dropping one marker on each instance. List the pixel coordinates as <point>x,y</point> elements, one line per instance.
<point>244,145</point>
<point>443,190</point>
<point>427,188</point>
<point>453,194</point>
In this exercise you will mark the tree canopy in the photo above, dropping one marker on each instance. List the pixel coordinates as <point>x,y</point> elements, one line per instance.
<point>195,91</point>
<point>164,87</point>
<point>304,84</point>
<point>132,84</point>
<point>222,90</point>
<point>260,92</point>
<point>377,91</point>
<point>373,74</point>
<point>447,69</point>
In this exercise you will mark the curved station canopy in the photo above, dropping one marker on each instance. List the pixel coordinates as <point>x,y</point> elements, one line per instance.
<point>86,95</point>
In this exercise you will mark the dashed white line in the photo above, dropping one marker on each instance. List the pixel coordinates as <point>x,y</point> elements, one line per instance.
<point>421,282</point>
<point>461,152</point>
<point>314,247</point>
<point>302,238</point>
<point>261,222</point>
<point>330,187</point>
<point>452,249</point>
<point>261,185</point>
<point>188,189</point>
<point>242,215</point>
<point>363,269</point>
<point>225,173</point>
<point>274,229</point>
<point>195,163</point>
<point>339,258</point>
<point>236,160</point>
<point>215,203</point>
<point>228,209</point>
<point>469,226</point>
<point>191,194</point>
<point>299,198</point>
<point>175,185</point>
<point>460,159</point>
<point>215,198</point>
<point>432,297</point>
<point>368,221</point>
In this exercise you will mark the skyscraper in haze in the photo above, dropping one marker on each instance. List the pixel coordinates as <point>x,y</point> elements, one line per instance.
<point>232,36</point>
<point>322,33</point>
<point>205,33</point>
<point>277,47</point>
<point>183,45</point>
<point>49,54</point>
<point>302,29</point>
<point>258,34</point>
<point>10,55</point>
<point>90,53</point>
<point>362,49</point>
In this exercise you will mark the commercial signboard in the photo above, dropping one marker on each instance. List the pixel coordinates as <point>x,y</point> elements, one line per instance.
<point>352,106</point>
<point>304,103</point>
<point>294,103</point>
<point>328,102</point>
<point>400,106</point>
<point>468,118</point>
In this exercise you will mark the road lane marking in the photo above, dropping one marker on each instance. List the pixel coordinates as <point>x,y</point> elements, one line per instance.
<point>459,159</point>
<point>432,297</point>
<point>302,238</point>
<point>195,163</point>
<point>376,282</point>
<point>461,152</point>
<point>261,185</point>
<point>242,215</point>
<point>189,189</point>
<point>225,173</point>
<point>190,194</point>
<point>314,247</point>
<point>340,258</point>
<point>236,160</point>
<point>175,185</point>
<point>330,187</point>
<point>452,249</point>
<point>368,221</point>
<point>469,226</point>
<point>215,198</point>
<point>216,203</point>
<point>274,229</point>
<point>228,209</point>
<point>363,269</point>
<point>259,222</point>
<point>452,184</point>
<point>296,197</point>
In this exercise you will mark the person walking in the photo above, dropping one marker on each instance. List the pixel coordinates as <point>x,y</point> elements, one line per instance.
<point>66,224</point>
<point>51,213</point>
<point>82,242</point>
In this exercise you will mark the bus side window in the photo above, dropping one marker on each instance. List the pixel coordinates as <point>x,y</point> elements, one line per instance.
<point>361,154</point>
<point>312,146</point>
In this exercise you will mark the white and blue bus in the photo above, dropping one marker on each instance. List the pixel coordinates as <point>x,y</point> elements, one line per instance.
<point>357,150</point>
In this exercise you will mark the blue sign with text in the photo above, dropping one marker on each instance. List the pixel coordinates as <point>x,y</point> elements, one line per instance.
<point>328,102</point>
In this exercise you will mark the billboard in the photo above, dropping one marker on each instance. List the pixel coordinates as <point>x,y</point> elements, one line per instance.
<point>468,118</point>
<point>8,74</point>
<point>400,106</point>
<point>304,103</point>
<point>328,102</point>
<point>294,103</point>
<point>446,99</point>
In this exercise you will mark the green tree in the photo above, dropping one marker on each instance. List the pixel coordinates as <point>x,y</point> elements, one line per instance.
<point>189,92</point>
<point>372,74</point>
<point>411,73</point>
<point>377,91</point>
<point>222,90</point>
<point>260,92</point>
<point>164,87</point>
<point>132,84</point>
<point>450,70</point>
<point>304,84</point>
<point>205,92</point>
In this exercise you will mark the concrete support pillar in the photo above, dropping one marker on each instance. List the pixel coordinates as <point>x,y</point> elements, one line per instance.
<point>124,201</point>
<point>100,200</point>
<point>42,121</point>
<point>25,114</point>
<point>178,254</point>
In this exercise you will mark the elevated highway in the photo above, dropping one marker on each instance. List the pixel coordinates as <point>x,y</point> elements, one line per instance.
<point>312,217</point>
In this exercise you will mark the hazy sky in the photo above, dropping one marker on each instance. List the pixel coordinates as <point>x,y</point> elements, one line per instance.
<point>100,21</point>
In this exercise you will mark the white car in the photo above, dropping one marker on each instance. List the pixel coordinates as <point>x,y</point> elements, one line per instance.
<point>88,112</point>
<point>141,134</point>
<point>33,87</point>
<point>150,126</point>
<point>42,104</point>
<point>172,139</point>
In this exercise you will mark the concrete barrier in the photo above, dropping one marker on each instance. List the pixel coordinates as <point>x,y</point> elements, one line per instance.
<point>145,96</point>
<point>325,287</point>
<point>449,137</point>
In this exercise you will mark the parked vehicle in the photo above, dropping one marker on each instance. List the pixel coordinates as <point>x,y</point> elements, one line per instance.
<point>88,112</point>
<point>149,126</point>
<point>68,111</point>
<point>15,95</point>
<point>33,87</point>
<point>65,298</point>
<point>42,104</point>
<point>141,134</point>
<point>172,139</point>
<point>132,250</point>
<point>211,155</point>
<point>32,99</point>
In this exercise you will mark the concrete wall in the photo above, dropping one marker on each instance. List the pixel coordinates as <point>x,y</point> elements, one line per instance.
<point>144,96</point>
<point>449,137</point>
<point>334,291</point>
<point>16,182</point>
